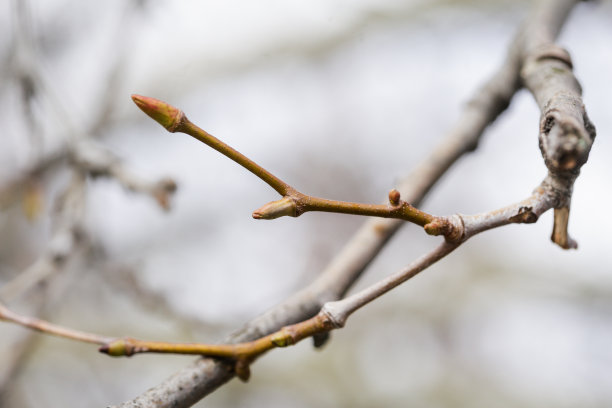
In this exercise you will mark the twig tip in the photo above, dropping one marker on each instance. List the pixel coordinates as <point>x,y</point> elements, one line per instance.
<point>163,113</point>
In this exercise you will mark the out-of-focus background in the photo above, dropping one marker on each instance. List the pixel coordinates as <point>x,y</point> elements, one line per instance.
<point>339,98</point>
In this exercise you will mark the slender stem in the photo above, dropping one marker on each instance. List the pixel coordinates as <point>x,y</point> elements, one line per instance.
<point>286,336</point>
<point>186,126</point>
<point>195,381</point>
<point>402,210</point>
<point>243,354</point>
<point>333,315</point>
<point>50,328</point>
<point>526,211</point>
<point>340,310</point>
<point>293,203</point>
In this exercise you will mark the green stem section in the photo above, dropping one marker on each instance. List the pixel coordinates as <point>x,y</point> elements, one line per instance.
<point>203,136</point>
<point>50,328</point>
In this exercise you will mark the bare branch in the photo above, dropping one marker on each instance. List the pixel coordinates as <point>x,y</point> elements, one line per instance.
<point>566,134</point>
<point>293,203</point>
<point>192,383</point>
<point>49,328</point>
<point>334,314</point>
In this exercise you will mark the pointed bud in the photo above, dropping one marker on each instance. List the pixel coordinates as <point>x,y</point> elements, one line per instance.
<point>166,115</point>
<point>275,209</point>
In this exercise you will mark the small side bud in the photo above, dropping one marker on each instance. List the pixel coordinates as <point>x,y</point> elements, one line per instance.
<point>434,228</point>
<point>282,338</point>
<point>116,348</point>
<point>394,197</point>
<point>242,370</point>
<point>275,209</point>
<point>166,115</point>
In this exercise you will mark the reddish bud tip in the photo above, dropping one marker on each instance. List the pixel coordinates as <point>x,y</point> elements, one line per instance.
<point>166,115</point>
<point>394,197</point>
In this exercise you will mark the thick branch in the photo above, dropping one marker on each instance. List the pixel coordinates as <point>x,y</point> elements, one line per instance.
<point>566,134</point>
<point>333,315</point>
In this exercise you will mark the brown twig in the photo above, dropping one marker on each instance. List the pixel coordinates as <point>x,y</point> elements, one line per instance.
<point>195,381</point>
<point>52,329</point>
<point>293,203</point>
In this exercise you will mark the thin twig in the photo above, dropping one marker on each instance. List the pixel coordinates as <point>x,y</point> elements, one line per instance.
<point>334,314</point>
<point>50,328</point>
<point>64,243</point>
<point>293,203</point>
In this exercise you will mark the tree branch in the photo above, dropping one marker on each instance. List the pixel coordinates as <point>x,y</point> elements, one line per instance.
<point>333,315</point>
<point>192,383</point>
<point>195,381</point>
<point>566,134</point>
<point>50,328</point>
